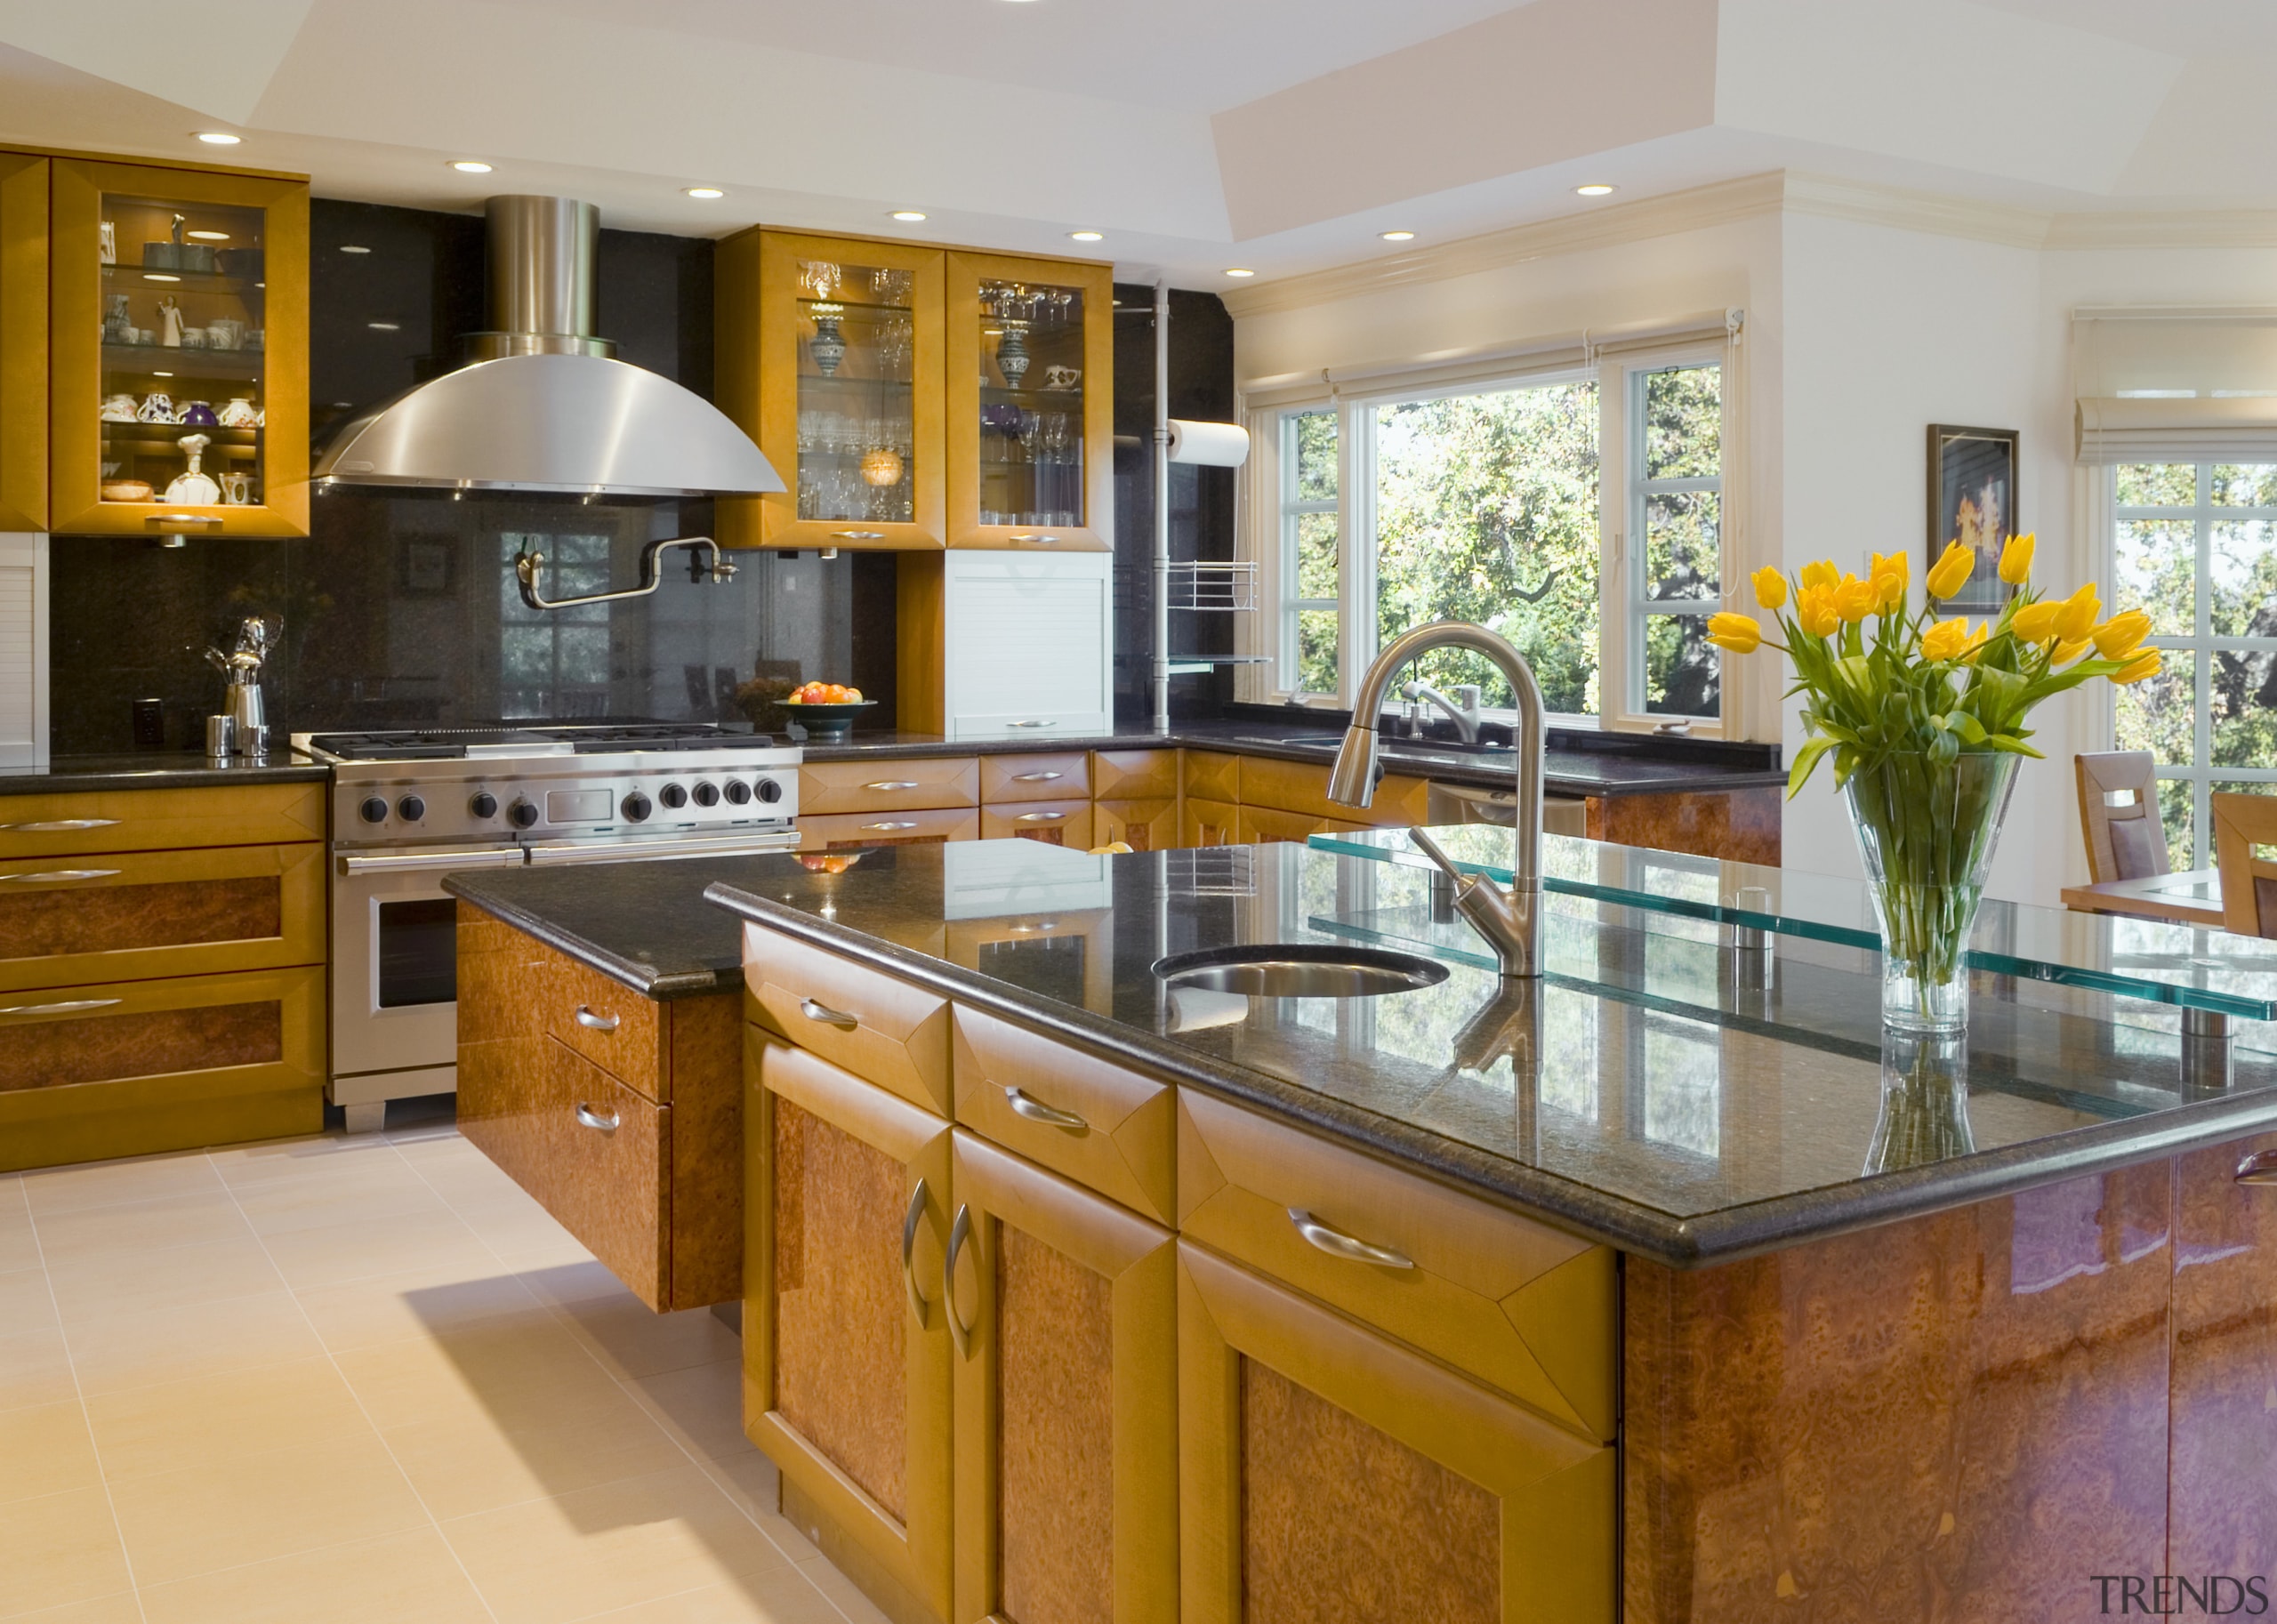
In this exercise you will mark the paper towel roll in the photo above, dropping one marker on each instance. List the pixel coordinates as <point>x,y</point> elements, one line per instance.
<point>1210,445</point>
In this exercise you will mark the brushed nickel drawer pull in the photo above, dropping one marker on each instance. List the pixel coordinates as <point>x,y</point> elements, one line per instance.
<point>1028,1105</point>
<point>1039,817</point>
<point>857,536</point>
<point>2259,1168</point>
<point>827,1016</point>
<point>960,1231</point>
<point>69,1007</point>
<point>63,826</point>
<point>58,875</point>
<point>1036,777</point>
<point>1336,1243</point>
<point>890,825</point>
<point>1031,724</point>
<point>594,1119</point>
<point>893,783</point>
<point>596,1023</point>
<point>910,1219</point>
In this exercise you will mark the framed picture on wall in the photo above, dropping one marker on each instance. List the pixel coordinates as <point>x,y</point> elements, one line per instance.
<point>1973,500</point>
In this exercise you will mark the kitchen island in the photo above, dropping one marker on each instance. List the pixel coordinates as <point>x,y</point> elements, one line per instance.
<point>1591,1305</point>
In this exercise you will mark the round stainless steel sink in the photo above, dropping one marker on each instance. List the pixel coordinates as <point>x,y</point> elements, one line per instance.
<point>1300,969</point>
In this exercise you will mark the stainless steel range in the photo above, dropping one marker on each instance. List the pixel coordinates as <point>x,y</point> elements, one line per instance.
<point>408,807</point>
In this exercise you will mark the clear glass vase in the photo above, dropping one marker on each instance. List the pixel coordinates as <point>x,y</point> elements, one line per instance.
<point>1925,1101</point>
<point>1927,830</point>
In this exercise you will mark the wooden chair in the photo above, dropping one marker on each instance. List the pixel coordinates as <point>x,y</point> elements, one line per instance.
<point>2119,815</point>
<point>2242,824</point>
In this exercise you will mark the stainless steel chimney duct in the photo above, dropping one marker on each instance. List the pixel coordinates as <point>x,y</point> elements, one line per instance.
<point>542,404</point>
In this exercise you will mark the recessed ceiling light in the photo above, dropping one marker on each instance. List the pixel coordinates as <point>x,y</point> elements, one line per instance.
<point>353,248</point>
<point>909,216</point>
<point>1239,270</point>
<point>209,237</point>
<point>1088,236</point>
<point>470,166</point>
<point>384,327</point>
<point>705,192</point>
<point>218,137</point>
<point>1397,236</point>
<point>1596,189</point>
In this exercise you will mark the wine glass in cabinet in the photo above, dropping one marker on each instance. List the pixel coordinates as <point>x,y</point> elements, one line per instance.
<point>179,322</point>
<point>1031,412</point>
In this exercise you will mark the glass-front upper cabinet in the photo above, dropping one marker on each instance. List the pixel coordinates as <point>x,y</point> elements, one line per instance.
<point>179,399</point>
<point>23,341</point>
<point>842,374</point>
<point>1031,405</point>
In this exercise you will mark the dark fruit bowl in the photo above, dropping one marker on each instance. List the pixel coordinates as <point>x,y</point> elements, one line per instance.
<point>826,723</point>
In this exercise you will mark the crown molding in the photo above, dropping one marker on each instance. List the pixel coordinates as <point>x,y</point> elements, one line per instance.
<point>1691,210</point>
<point>1831,198</point>
<point>2167,229</point>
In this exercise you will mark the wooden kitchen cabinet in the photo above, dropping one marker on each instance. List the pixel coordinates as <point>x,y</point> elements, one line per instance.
<point>1062,1308</point>
<point>228,252</point>
<point>1134,774</point>
<point>76,823</point>
<point>1142,825</point>
<point>1031,404</point>
<point>23,341</point>
<point>846,1372</point>
<point>1055,822</point>
<point>1041,775</point>
<point>1329,1475</point>
<point>1209,823</point>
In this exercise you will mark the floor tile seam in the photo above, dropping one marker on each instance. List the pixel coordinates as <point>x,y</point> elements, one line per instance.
<point>32,1615</point>
<point>602,1617</point>
<point>356,1398</point>
<point>104,1206</point>
<point>102,1474</point>
<point>826,1595</point>
<point>235,1369</point>
<point>313,1550</point>
<point>203,1302</point>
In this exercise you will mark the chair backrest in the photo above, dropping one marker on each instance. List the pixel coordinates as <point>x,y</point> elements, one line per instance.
<point>2242,823</point>
<point>2119,815</point>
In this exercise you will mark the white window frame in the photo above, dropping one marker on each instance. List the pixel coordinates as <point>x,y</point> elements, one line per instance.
<point>1624,608</point>
<point>1288,508</point>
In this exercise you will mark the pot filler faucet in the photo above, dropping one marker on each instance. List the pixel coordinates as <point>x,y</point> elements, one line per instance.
<point>1508,920</point>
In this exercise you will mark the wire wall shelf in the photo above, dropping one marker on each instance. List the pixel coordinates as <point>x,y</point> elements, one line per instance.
<point>1218,588</point>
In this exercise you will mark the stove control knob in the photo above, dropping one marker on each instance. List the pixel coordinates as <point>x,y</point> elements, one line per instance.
<point>738,792</point>
<point>374,809</point>
<point>635,807</point>
<point>672,795</point>
<point>484,804</point>
<point>769,791</point>
<point>522,813</point>
<point>707,795</point>
<point>411,808</point>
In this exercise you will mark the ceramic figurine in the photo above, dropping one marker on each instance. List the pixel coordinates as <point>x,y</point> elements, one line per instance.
<point>169,323</point>
<point>828,347</point>
<point>1012,354</point>
<point>193,486</point>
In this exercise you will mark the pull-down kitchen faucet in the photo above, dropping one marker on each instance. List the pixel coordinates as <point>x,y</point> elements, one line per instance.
<point>1509,922</point>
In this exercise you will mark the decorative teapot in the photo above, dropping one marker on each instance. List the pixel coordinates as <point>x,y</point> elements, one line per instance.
<point>194,487</point>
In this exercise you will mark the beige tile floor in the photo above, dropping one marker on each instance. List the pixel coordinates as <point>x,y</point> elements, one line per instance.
<point>363,1381</point>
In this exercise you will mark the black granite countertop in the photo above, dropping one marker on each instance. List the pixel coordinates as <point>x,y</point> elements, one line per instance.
<point>155,770</point>
<point>1642,1097</point>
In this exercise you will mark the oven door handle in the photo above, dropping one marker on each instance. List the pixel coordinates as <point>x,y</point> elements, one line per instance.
<point>625,851</point>
<point>429,861</point>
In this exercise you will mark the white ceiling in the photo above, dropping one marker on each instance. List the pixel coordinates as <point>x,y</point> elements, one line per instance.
<point>1280,134</point>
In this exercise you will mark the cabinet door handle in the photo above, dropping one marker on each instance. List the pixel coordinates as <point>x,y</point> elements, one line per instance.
<point>2259,1168</point>
<point>1036,777</point>
<point>62,825</point>
<point>857,536</point>
<point>594,1119</point>
<point>1031,724</point>
<point>909,1222</point>
<point>893,783</point>
<point>889,826</point>
<point>181,521</point>
<point>58,875</point>
<point>960,1231</point>
<point>827,1016</point>
<point>1336,1243</point>
<point>1037,539</point>
<point>69,1007</point>
<point>596,1023</point>
<point>1028,1105</point>
<point>1039,817</point>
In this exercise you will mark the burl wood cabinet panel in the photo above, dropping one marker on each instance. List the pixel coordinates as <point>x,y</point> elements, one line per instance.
<point>1955,1418</point>
<point>1737,825</point>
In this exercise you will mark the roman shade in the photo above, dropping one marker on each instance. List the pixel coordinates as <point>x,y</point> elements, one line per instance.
<point>2176,383</point>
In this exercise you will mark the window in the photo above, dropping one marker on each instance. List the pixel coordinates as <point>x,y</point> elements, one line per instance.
<point>1489,504</point>
<point>554,662</point>
<point>2195,548</point>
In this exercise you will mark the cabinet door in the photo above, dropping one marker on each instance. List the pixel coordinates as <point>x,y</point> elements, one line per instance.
<point>1031,404</point>
<point>1064,1309</point>
<point>179,380</point>
<point>830,356</point>
<point>2223,1499</point>
<point>1209,823</point>
<point>1026,646</point>
<point>1134,774</point>
<point>1329,1475</point>
<point>23,343</point>
<point>1264,826</point>
<point>1142,825</point>
<point>846,1348</point>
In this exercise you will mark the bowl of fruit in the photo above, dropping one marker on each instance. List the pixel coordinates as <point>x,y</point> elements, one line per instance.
<point>825,709</point>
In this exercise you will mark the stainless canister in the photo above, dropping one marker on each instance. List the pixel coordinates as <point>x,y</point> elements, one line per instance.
<point>221,736</point>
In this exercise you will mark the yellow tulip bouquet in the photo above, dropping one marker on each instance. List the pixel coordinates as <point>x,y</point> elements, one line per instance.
<point>1924,716</point>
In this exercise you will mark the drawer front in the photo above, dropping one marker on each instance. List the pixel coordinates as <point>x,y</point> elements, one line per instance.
<point>160,820</point>
<point>1035,777</point>
<point>1142,825</point>
<point>131,915</point>
<point>127,1068</point>
<point>1134,774</point>
<point>614,1027</point>
<point>1209,823</point>
<point>1212,777</point>
<point>1264,826</point>
<point>894,1034</point>
<point>1300,786</point>
<point>1056,822</point>
<point>885,787</point>
<point>1511,1301</point>
<point>1088,1120</point>
<point>908,826</point>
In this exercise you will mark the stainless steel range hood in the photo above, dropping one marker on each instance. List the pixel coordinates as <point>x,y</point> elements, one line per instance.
<point>542,404</point>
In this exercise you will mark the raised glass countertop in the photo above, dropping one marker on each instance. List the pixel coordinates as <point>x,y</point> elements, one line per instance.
<point>2180,967</point>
